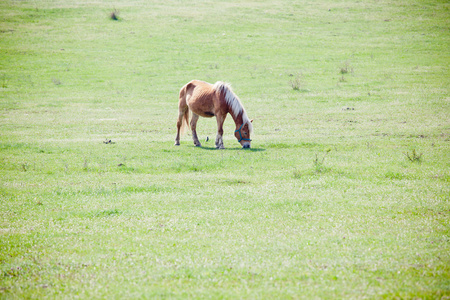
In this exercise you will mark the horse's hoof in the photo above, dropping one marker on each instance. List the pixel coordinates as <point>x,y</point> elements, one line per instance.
<point>177,144</point>
<point>198,145</point>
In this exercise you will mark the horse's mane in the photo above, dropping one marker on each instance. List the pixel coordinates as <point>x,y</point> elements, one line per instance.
<point>233,101</point>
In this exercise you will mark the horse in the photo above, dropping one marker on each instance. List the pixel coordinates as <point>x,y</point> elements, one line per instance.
<point>212,100</point>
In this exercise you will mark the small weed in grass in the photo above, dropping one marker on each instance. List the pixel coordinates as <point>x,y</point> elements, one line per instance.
<point>394,175</point>
<point>319,163</point>
<point>114,15</point>
<point>346,68</point>
<point>297,174</point>
<point>4,82</point>
<point>296,82</point>
<point>86,165</point>
<point>414,156</point>
<point>107,213</point>
<point>319,166</point>
<point>107,141</point>
<point>56,81</point>
<point>125,169</point>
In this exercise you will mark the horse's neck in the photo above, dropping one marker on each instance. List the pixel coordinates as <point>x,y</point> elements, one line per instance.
<point>238,119</point>
<point>235,108</point>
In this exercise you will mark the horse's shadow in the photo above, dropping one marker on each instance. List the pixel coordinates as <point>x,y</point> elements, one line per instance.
<point>206,148</point>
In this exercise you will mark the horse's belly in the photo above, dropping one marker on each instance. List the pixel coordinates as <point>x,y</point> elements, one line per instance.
<point>202,112</point>
<point>208,114</point>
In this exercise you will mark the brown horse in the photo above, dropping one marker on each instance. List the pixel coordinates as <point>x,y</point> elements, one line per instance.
<point>207,100</point>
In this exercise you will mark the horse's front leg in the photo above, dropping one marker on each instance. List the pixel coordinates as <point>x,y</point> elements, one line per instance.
<point>219,138</point>
<point>194,129</point>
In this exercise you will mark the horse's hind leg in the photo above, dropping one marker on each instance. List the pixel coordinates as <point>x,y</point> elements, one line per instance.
<point>183,112</point>
<point>179,124</point>
<point>194,129</point>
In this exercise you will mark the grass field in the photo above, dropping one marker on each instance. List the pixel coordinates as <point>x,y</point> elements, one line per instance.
<point>345,192</point>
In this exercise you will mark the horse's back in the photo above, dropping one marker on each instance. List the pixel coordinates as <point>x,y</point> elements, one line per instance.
<point>188,89</point>
<point>199,85</point>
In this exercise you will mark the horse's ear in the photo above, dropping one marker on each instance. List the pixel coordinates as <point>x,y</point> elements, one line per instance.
<point>251,121</point>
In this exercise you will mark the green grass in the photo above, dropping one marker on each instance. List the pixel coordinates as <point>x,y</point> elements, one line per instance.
<point>332,201</point>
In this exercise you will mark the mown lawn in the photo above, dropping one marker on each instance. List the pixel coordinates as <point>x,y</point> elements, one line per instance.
<point>344,194</point>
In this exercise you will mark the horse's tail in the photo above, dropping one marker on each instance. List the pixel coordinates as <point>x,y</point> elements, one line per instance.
<point>185,122</point>
<point>184,108</point>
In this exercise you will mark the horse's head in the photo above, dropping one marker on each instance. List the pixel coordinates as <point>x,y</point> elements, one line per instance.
<point>242,133</point>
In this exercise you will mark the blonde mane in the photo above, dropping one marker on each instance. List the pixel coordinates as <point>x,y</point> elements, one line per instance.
<point>233,102</point>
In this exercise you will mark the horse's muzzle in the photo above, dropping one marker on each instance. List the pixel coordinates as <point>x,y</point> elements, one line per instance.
<point>246,146</point>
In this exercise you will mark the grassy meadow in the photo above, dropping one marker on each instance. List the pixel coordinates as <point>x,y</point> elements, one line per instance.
<point>345,193</point>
